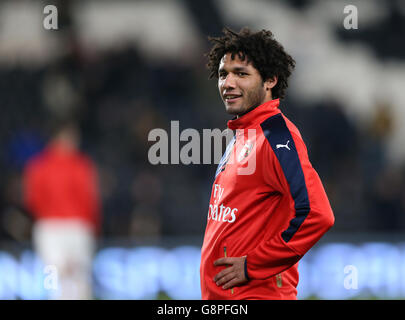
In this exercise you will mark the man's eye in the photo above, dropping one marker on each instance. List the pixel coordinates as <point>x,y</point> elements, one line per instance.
<point>241,74</point>
<point>222,75</point>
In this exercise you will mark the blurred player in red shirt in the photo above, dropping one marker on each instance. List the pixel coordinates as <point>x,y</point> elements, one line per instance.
<point>61,192</point>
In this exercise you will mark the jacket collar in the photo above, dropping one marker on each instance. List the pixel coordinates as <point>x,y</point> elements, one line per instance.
<point>255,116</point>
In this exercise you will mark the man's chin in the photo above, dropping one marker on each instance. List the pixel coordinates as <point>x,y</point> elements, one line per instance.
<point>233,110</point>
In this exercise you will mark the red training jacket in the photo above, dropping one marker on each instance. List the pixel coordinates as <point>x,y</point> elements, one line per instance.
<point>62,185</point>
<point>267,203</point>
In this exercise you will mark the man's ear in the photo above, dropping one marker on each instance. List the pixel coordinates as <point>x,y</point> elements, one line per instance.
<point>270,83</point>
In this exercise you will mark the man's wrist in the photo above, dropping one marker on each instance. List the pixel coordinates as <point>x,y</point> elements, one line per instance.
<point>246,270</point>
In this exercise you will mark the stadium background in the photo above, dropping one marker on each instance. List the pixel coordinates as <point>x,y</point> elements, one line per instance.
<point>127,67</point>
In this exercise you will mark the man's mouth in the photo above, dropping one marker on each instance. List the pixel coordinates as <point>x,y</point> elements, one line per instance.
<point>230,98</point>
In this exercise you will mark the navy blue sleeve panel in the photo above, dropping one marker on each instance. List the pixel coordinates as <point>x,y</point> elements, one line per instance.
<point>280,139</point>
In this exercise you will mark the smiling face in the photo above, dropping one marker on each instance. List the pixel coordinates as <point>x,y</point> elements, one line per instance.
<point>241,86</point>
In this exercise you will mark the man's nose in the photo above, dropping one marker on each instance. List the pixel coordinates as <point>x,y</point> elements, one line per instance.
<point>229,82</point>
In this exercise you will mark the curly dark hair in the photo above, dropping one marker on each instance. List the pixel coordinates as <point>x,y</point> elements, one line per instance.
<point>260,48</point>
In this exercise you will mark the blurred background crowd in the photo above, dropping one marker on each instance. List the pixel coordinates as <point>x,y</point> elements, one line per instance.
<point>123,68</point>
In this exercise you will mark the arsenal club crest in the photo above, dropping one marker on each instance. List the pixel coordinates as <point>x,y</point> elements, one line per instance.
<point>245,151</point>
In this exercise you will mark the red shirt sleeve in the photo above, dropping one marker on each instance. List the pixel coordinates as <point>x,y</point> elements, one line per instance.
<point>31,186</point>
<point>88,181</point>
<point>307,218</point>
